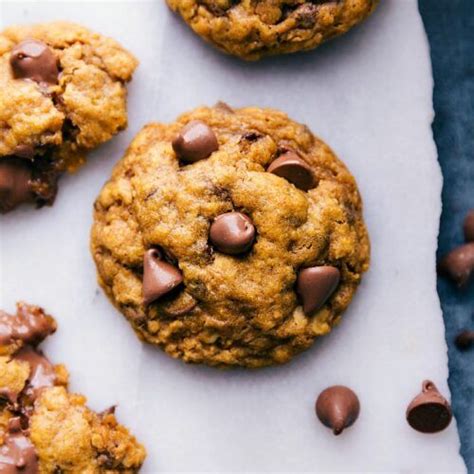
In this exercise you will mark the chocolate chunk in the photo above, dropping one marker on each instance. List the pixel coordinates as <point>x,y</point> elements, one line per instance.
<point>458,264</point>
<point>17,454</point>
<point>429,412</point>
<point>195,141</point>
<point>295,170</point>
<point>42,373</point>
<point>159,277</point>
<point>232,233</point>
<point>33,59</point>
<point>15,176</point>
<point>30,325</point>
<point>315,285</point>
<point>337,408</point>
<point>465,340</point>
<point>469,226</point>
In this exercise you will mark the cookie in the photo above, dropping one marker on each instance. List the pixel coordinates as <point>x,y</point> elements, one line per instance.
<point>260,28</point>
<point>62,93</point>
<point>230,237</point>
<point>43,427</point>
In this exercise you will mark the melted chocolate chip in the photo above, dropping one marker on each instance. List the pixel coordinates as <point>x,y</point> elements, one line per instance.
<point>465,340</point>
<point>195,141</point>
<point>232,233</point>
<point>42,373</point>
<point>429,412</point>
<point>315,285</point>
<point>17,453</point>
<point>458,264</point>
<point>159,277</point>
<point>337,408</point>
<point>33,59</point>
<point>15,189</point>
<point>295,170</point>
<point>469,226</point>
<point>30,325</point>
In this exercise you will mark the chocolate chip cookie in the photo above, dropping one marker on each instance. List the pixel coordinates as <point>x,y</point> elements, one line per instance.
<point>62,93</point>
<point>43,427</point>
<point>253,29</point>
<point>230,237</point>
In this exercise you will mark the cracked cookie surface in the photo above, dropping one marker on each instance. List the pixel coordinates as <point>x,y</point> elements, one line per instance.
<point>62,93</point>
<point>45,429</point>
<point>229,260</point>
<point>252,29</point>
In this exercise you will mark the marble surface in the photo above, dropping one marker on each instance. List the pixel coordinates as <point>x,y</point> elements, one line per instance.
<point>369,96</point>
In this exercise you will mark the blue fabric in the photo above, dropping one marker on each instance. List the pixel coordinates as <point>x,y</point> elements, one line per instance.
<point>450,28</point>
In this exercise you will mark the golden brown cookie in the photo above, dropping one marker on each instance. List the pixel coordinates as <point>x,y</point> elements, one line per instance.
<point>43,427</point>
<point>230,237</point>
<point>252,29</point>
<point>62,93</point>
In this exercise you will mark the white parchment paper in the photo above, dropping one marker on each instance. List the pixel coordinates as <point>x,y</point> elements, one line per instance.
<point>368,95</point>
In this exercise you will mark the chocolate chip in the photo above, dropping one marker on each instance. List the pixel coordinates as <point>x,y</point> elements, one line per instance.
<point>429,412</point>
<point>458,264</point>
<point>33,59</point>
<point>17,453</point>
<point>223,107</point>
<point>232,233</point>
<point>159,277</point>
<point>469,226</point>
<point>42,373</point>
<point>337,408</point>
<point>195,141</point>
<point>465,340</point>
<point>295,170</point>
<point>315,285</point>
<point>15,176</point>
<point>30,325</point>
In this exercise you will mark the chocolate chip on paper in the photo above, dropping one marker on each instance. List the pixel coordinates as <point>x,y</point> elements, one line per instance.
<point>337,407</point>
<point>429,412</point>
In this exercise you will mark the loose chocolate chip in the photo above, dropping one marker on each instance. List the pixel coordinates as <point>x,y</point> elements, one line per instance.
<point>337,408</point>
<point>469,226</point>
<point>465,340</point>
<point>195,141</point>
<point>15,176</point>
<point>33,59</point>
<point>291,167</point>
<point>458,264</point>
<point>232,233</point>
<point>159,277</point>
<point>315,285</point>
<point>429,412</point>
